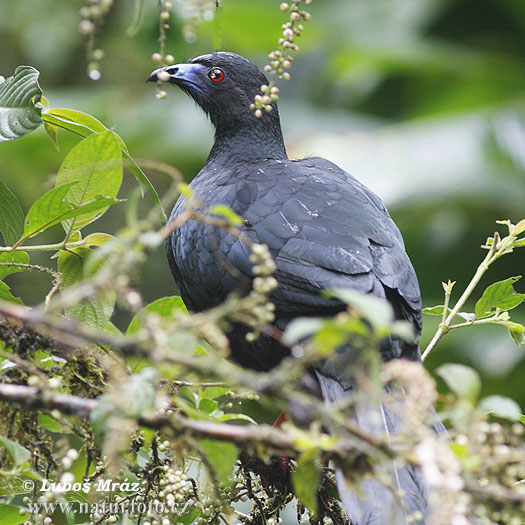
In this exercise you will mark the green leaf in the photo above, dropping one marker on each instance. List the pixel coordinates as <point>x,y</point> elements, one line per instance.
<point>74,267</point>
<point>222,456</point>
<point>10,515</point>
<point>19,453</point>
<point>52,208</point>
<point>236,417</point>
<point>462,380</point>
<point>517,331</point>
<point>47,210</point>
<point>213,392</point>
<point>95,164</point>
<point>499,295</point>
<point>227,213</point>
<point>375,310</point>
<point>52,133</point>
<point>306,478</point>
<point>12,257</point>
<point>98,239</point>
<point>208,405</point>
<point>5,294</point>
<point>50,423</point>
<point>501,406</point>
<point>438,310</point>
<point>11,216</point>
<point>19,95</point>
<point>165,307</point>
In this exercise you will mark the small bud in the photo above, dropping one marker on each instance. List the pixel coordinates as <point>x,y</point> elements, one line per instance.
<point>169,59</point>
<point>284,6</point>
<point>286,75</point>
<point>288,33</point>
<point>165,15</point>
<point>86,27</point>
<point>98,54</point>
<point>156,57</point>
<point>268,108</point>
<point>168,5</point>
<point>161,95</point>
<point>258,113</point>
<point>295,17</point>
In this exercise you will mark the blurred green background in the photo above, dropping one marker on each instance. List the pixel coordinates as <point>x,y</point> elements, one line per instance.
<point>422,100</point>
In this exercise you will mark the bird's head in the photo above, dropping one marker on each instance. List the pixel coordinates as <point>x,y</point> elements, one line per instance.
<point>223,85</point>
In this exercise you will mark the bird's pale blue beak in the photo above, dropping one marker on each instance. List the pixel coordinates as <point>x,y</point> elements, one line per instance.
<point>180,74</point>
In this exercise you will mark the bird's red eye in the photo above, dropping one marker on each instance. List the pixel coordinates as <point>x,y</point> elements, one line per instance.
<point>216,74</point>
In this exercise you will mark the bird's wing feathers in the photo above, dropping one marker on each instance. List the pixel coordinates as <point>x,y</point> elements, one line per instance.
<point>323,227</point>
<point>325,230</point>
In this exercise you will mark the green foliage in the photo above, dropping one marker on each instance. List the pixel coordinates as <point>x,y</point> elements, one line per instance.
<point>19,96</point>
<point>95,166</point>
<point>74,267</point>
<point>499,296</point>
<point>11,216</point>
<point>306,479</point>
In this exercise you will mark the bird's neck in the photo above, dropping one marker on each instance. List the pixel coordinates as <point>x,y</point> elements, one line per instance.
<point>248,141</point>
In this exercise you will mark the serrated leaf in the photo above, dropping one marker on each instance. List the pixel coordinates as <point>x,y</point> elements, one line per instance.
<point>11,216</point>
<point>12,257</point>
<point>94,312</point>
<point>165,307</point>
<point>501,406</point>
<point>95,164</point>
<point>375,310</point>
<point>19,95</point>
<point>462,380</point>
<point>10,515</point>
<point>499,295</point>
<point>222,456</point>
<point>19,453</point>
<point>6,295</point>
<point>306,478</point>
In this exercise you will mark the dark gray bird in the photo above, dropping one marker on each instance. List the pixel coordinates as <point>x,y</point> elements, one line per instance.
<point>324,230</point>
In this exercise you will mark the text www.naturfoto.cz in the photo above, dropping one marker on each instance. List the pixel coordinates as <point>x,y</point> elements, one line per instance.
<point>101,509</point>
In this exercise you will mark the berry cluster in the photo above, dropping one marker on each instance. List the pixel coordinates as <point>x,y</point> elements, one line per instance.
<point>281,59</point>
<point>160,56</point>
<point>92,17</point>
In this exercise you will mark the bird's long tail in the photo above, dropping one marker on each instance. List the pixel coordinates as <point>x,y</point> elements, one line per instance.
<point>370,502</point>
